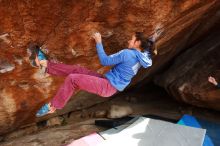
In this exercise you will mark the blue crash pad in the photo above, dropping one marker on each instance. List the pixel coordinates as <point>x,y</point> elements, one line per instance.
<point>212,137</point>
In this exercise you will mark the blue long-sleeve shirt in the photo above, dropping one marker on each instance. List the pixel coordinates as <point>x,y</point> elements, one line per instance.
<point>126,64</point>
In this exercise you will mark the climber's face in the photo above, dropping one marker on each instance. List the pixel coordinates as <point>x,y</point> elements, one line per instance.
<point>133,43</point>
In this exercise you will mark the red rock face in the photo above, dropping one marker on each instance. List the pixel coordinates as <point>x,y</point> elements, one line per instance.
<point>65,28</point>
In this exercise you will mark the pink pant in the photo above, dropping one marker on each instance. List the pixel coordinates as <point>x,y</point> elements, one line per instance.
<point>78,78</point>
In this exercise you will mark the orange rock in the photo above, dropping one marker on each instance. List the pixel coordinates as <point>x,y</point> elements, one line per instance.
<point>64,27</point>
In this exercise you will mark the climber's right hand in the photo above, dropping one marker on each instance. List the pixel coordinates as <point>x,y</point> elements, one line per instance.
<point>97,36</point>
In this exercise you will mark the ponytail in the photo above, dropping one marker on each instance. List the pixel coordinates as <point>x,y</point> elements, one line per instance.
<point>147,44</point>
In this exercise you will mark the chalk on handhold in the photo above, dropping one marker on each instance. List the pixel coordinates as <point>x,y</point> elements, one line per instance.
<point>5,38</point>
<point>117,111</point>
<point>5,66</point>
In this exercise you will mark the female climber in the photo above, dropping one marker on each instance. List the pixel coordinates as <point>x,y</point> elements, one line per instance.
<point>126,64</point>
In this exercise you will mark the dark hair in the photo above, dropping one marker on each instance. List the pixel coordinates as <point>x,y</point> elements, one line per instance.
<point>146,43</point>
<point>34,50</point>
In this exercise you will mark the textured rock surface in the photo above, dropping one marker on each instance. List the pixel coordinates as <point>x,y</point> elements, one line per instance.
<point>64,27</point>
<point>118,111</point>
<point>186,79</point>
<point>56,136</point>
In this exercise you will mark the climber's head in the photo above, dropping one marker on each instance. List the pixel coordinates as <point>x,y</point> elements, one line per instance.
<point>134,43</point>
<point>141,42</point>
<point>35,55</point>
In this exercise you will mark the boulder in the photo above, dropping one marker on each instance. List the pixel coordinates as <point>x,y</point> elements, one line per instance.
<point>187,78</point>
<point>64,29</point>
